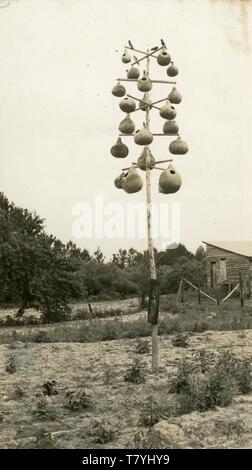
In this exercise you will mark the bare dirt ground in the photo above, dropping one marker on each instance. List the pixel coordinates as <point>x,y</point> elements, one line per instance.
<point>29,419</point>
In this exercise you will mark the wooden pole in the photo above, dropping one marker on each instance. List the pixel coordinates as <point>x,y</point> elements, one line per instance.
<point>153,273</point>
<point>199,293</point>
<point>241,290</point>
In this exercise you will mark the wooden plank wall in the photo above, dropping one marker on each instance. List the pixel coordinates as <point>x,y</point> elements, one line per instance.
<point>235,264</point>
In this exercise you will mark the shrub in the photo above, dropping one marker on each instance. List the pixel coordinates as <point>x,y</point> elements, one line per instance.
<point>41,337</point>
<point>180,341</point>
<point>243,376</point>
<point>149,415</point>
<point>142,347</point>
<point>76,400</point>
<point>103,433</point>
<point>135,373</point>
<point>48,388</point>
<point>10,365</point>
<point>149,439</point>
<point>200,326</point>
<point>229,427</point>
<point>42,410</point>
<point>203,386</point>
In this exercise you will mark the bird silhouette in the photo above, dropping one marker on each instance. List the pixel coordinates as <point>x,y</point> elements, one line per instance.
<point>130,44</point>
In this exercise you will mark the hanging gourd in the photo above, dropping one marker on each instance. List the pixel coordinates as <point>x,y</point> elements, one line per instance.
<point>167,111</point>
<point>178,146</point>
<point>146,99</point>
<point>144,83</point>
<point>174,96</point>
<point>133,72</point>
<point>143,159</point>
<point>127,126</point>
<point>118,90</point>
<point>119,150</point>
<point>118,180</point>
<point>172,70</point>
<point>127,105</point>
<point>163,57</point>
<point>170,127</point>
<point>132,182</point>
<point>169,181</point>
<point>143,136</point>
<point>126,57</point>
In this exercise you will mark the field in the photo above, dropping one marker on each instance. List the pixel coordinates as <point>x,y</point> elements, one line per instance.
<point>63,385</point>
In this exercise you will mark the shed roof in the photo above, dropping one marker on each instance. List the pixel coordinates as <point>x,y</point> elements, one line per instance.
<point>243,248</point>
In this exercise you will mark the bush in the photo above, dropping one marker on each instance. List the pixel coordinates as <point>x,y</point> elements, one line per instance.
<point>42,410</point>
<point>135,373</point>
<point>41,337</point>
<point>180,341</point>
<point>142,347</point>
<point>77,400</point>
<point>103,433</point>
<point>202,387</point>
<point>10,365</point>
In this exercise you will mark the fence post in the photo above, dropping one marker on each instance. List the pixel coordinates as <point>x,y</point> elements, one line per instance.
<point>199,295</point>
<point>241,290</point>
<point>217,295</point>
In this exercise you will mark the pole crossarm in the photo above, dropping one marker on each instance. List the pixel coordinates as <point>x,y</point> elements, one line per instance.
<point>153,81</point>
<point>150,54</point>
<point>139,51</point>
<point>159,135</point>
<point>142,101</point>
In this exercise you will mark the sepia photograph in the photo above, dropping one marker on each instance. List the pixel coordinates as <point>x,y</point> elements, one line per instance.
<point>125,229</point>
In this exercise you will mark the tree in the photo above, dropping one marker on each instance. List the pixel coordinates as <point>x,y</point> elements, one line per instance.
<point>200,253</point>
<point>34,266</point>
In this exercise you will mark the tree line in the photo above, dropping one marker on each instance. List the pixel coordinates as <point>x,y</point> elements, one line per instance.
<point>38,270</point>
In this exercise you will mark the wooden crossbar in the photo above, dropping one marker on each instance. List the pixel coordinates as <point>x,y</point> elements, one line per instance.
<point>202,292</point>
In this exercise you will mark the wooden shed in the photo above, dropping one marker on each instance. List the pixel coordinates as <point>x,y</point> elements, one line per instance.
<point>226,261</point>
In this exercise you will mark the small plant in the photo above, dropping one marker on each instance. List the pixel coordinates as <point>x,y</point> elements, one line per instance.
<point>43,439</point>
<point>180,341</point>
<point>77,400</point>
<point>243,376</point>
<point>142,346</point>
<point>103,433</point>
<point>18,393</point>
<point>135,373</point>
<point>48,388</point>
<point>149,439</point>
<point>231,427</point>
<point>200,326</point>
<point>10,363</point>
<point>109,374</point>
<point>41,337</point>
<point>149,415</point>
<point>42,410</point>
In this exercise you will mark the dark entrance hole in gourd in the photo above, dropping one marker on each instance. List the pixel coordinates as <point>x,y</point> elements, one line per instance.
<point>172,172</point>
<point>143,79</point>
<point>164,53</point>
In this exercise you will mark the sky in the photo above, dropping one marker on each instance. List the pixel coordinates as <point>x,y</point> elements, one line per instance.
<point>58,118</point>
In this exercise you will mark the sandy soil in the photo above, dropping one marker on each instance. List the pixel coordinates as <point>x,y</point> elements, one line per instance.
<point>116,404</point>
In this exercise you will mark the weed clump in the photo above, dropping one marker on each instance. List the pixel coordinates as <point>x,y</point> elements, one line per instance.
<point>135,373</point>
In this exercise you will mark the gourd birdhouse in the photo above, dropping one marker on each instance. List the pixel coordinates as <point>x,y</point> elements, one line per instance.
<point>178,146</point>
<point>127,105</point>
<point>163,57</point>
<point>133,72</point>
<point>118,90</point>
<point>118,180</point>
<point>146,102</point>
<point>126,57</point>
<point>144,83</point>
<point>172,70</point>
<point>169,181</point>
<point>168,111</point>
<point>132,182</point>
<point>170,127</point>
<point>143,136</point>
<point>143,159</point>
<point>119,150</point>
<point>174,96</point>
<point>127,126</point>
